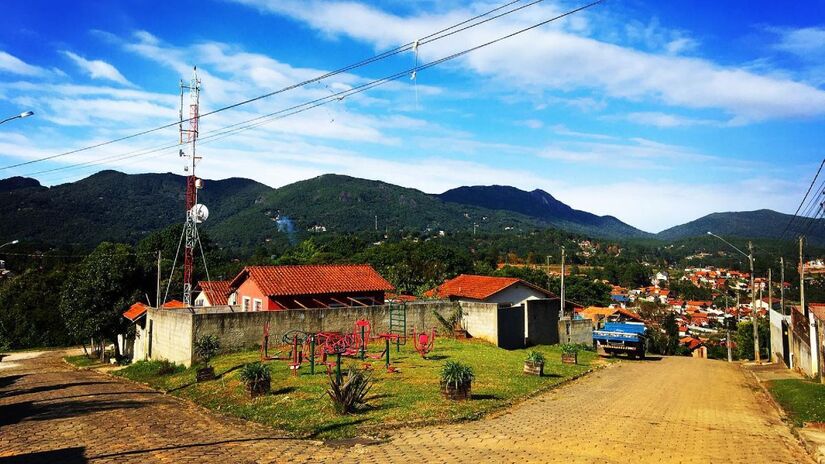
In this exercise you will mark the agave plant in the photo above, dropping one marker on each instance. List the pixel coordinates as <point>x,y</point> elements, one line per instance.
<point>349,395</point>
<point>456,374</point>
<point>257,378</point>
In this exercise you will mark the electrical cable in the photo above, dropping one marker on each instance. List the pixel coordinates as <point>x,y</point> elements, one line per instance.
<point>432,37</point>
<point>263,119</point>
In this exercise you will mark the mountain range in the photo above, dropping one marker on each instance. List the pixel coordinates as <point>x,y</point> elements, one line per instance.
<point>114,206</point>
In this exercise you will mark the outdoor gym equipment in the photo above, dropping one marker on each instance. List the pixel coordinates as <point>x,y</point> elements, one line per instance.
<point>423,342</point>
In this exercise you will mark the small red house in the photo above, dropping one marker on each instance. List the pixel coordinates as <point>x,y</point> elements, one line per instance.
<point>269,288</point>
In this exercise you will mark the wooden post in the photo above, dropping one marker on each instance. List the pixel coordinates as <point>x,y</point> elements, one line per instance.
<point>312,354</point>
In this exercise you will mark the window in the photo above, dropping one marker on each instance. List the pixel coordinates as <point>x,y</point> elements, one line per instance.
<point>259,305</point>
<point>246,303</point>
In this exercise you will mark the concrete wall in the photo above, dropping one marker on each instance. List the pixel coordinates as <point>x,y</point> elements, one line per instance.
<point>542,322</point>
<point>480,320</point>
<point>169,335</point>
<point>776,334</point>
<point>576,331</point>
<point>801,344</point>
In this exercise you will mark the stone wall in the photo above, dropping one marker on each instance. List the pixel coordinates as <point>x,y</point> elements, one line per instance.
<point>576,331</point>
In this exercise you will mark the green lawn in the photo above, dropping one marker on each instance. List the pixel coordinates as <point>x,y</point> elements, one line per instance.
<point>802,399</point>
<point>83,361</point>
<point>300,405</point>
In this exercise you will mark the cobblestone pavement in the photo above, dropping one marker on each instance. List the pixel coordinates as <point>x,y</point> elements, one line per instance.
<point>670,410</point>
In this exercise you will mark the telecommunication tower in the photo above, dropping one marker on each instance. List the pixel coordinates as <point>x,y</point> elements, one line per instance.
<point>195,213</point>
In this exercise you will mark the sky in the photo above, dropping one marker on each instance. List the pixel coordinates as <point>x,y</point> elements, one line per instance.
<point>654,112</point>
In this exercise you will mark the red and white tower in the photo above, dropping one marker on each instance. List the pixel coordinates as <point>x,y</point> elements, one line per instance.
<point>189,135</point>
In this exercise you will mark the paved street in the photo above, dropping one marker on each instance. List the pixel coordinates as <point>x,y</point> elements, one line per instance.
<point>671,410</point>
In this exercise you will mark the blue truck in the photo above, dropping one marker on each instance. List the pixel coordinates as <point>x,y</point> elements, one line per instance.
<point>621,337</point>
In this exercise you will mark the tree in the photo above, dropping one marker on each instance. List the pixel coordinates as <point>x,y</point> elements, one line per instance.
<point>96,293</point>
<point>744,339</point>
<point>27,310</point>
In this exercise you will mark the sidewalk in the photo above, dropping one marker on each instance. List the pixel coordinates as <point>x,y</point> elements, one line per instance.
<point>812,437</point>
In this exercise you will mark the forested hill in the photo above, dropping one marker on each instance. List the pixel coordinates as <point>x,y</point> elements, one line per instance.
<point>122,207</point>
<point>111,206</point>
<point>763,223</point>
<point>542,206</point>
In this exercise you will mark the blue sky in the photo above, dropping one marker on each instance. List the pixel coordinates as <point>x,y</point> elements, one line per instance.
<point>654,112</point>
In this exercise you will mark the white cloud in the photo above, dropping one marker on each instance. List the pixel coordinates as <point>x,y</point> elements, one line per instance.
<point>97,69</point>
<point>657,119</point>
<point>555,59</point>
<point>11,64</point>
<point>808,42</point>
<point>531,123</point>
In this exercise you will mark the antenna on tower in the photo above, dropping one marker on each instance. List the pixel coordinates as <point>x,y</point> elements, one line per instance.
<point>195,212</point>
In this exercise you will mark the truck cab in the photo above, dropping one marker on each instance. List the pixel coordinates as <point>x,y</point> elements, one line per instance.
<point>621,337</point>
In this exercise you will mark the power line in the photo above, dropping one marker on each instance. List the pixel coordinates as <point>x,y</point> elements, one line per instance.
<point>803,199</point>
<point>438,35</point>
<point>295,109</point>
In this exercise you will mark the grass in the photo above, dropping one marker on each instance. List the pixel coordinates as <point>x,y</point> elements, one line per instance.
<point>803,400</point>
<point>301,406</point>
<point>82,360</point>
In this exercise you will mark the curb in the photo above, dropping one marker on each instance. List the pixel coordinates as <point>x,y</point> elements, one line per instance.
<point>811,448</point>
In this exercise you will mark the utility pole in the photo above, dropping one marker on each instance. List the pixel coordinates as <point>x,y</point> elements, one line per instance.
<point>376,223</point>
<point>782,304</point>
<point>157,299</point>
<point>770,303</point>
<point>754,315</point>
<point>801,289</point>
<point>727,326</point>
<point>562,282</point>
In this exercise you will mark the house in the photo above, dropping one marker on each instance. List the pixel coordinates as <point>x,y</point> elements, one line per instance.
<point>506,291</point>
<point>271,288</point>
<point>213,293</point>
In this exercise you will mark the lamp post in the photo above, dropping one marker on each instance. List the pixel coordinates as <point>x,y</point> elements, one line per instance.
<point>748,255</point>
<point>22,115</point>
<point>13,242</point>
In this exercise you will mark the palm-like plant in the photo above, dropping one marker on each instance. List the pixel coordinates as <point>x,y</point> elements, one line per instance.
<point>349,395</point>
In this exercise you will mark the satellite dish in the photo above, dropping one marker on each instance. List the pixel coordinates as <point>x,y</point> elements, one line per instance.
<point>199,212</point>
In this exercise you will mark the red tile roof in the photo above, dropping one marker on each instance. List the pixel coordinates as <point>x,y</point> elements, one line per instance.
<point>217,291</point>
<point>818,309</point>
<point>135,311</point>
<point>313,279</point>
<point>479,287</point>
<point>173,304</point>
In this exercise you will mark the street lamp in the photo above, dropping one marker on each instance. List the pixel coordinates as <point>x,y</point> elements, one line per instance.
<point>13,242</point>
<point>22,115</point>
<point>753,294</point>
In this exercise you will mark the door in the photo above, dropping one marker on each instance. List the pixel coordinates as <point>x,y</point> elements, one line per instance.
<point>786,349</point>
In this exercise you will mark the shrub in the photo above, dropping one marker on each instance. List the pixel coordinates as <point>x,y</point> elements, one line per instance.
<point>456,374</point>
<point>254,373</point>
<point>206,347</point>
<point>349,395</point>
<point>570,348</point>
<point>535,357</point>
<point>168,367</point>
